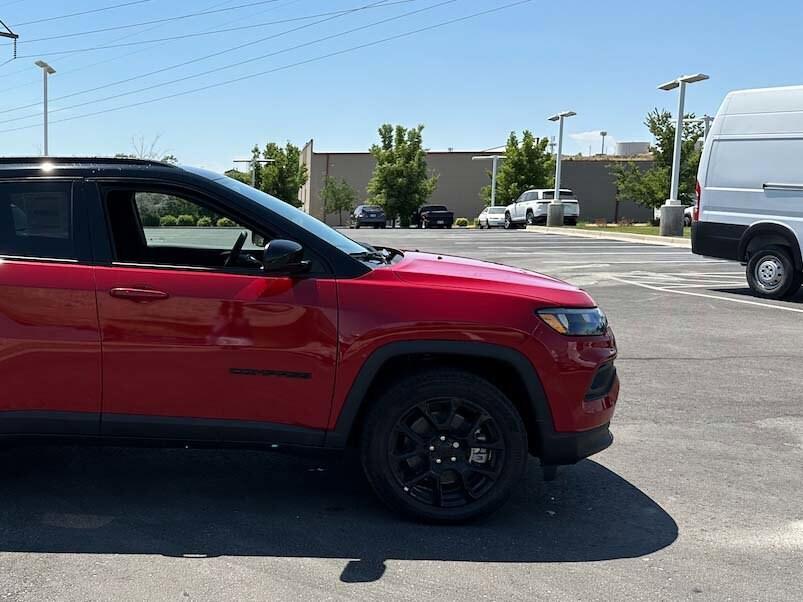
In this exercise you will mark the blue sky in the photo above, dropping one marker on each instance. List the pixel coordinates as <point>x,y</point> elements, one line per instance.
<point>470,83</point>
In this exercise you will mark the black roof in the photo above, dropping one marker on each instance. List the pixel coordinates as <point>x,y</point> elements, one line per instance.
<point>17,162</point>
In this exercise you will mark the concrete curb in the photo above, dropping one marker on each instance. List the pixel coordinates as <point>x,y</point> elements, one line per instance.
<point>663,241</point>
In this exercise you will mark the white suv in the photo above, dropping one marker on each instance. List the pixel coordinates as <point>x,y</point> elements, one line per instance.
<point>531,208</point>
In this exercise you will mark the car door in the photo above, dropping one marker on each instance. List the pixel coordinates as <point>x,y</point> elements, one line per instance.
<point>520,206</point>
<point>50,355</point>
<point>196,350</point>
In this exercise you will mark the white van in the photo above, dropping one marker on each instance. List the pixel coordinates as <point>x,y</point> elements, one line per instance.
<point>750,188</point>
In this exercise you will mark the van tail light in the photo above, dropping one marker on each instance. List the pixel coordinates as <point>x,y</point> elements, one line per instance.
<point>695,213</point>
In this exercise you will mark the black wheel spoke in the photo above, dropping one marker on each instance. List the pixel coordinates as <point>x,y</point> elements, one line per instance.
<point>427,414</point>
<point>486,472</point>
<point>417,479</point>
<point>407,431</point>
<point>403,456</point>
<point>430,452</point>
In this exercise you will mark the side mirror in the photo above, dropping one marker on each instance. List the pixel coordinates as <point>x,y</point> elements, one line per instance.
<point>284,256</point>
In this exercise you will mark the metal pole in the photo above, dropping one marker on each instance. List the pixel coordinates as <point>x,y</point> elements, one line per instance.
<point>253,174</point>
<point>44,76</point>
<point>556,200</point>
<point>493,181</point>
<point>675,185</point>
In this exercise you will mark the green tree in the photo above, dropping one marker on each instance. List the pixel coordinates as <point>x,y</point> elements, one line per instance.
<point>401,182</point>
<point>651,187</point>
<point>527,164</point>
<point>337,196</point>
<point>285,175</point>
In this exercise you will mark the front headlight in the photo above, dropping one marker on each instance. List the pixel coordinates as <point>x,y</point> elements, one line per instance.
<point>575,322</point>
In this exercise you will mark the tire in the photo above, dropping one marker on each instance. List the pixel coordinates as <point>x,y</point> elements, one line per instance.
<point>570,221</point>
<point>357,226</point>
<point>509,225</point>
<point>686,221</point>
<point>434,415</point>
<point>771,273</point>
<point>530,218</point>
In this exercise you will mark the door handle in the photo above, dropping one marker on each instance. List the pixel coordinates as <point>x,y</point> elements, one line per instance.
<point>138,294</point>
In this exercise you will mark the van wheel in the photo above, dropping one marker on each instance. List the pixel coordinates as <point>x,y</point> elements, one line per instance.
<point>771,273</point>
<point>444,446</point>
<point>530,218</point>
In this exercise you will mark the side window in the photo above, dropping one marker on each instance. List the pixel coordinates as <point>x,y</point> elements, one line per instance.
<point>36,220</point>
<point>159,228</point>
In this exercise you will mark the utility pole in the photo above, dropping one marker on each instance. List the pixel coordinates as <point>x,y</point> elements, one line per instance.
<point>495,159</point>
<point>5,32</point>
<point>253,163</point>
<point>46,71</point>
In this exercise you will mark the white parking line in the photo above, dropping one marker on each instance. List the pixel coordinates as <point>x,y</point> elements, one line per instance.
<point>707,296</point>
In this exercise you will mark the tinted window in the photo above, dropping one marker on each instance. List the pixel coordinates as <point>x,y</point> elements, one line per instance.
<point>564,194</point>
<point>495,210</point>
<point>287,211</point>
<point>36,220</point>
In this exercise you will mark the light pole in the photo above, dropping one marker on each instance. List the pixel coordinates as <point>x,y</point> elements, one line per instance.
<point>253,163</point>
<point>672,210</point>
<point>706,120</point>
<point>46,70</point>
<point>603,133</point>
<point>554,216</point>
<point>495,159</point>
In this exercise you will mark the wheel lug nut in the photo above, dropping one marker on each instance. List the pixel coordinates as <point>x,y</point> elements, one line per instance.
<point>431,448</point>
<point>454,459</point>
<point>438,461</point>
<point>455,444</point>
<point>443,437</point>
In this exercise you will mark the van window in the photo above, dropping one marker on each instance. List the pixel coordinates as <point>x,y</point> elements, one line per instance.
<point>752,163</point>
<point>36,220</point>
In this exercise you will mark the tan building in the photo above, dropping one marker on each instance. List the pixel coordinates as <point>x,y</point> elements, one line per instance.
<point>460,180</point>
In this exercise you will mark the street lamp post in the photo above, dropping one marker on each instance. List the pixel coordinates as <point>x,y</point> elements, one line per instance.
<point>495,159</point>
<point>603,133</point>
<point>46,71</point>
<point>672,210</point>
<point>253,163</point>
<point>555,210</point>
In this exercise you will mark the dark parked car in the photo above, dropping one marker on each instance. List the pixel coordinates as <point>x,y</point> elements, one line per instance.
<point>446,372</point>
<point>433,216</point>
<point>367,215</point>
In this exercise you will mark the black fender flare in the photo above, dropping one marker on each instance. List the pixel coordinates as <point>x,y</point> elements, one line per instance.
<point>539,405</point>
<point>773,233</point>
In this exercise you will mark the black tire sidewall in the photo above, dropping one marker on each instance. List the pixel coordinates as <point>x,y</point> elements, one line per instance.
<point>403,396</point>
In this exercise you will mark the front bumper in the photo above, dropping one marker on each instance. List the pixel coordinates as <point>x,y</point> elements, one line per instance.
<point>569,448</point>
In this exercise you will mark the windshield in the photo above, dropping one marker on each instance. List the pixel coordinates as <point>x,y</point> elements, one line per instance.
<point>287,211</point>
<point>496,210</point>
<point>371,208</point>
<point>433,208</point>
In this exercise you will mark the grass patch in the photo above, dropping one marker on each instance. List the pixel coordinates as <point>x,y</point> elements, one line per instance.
<point>631,229</point>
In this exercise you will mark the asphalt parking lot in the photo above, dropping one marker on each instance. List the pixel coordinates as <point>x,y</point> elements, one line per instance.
<point>699,497</point>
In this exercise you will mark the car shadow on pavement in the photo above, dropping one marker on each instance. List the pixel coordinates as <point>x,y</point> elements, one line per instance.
<point>747,292</point>
<point>197,504</point>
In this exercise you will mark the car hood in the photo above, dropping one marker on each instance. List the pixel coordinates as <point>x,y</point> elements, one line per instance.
<point>471,274</point>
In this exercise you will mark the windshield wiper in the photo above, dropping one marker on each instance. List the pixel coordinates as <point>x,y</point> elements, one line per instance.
<point>370,255</point>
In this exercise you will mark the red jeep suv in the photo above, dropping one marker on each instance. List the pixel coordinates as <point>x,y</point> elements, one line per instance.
<point>144,302</point>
